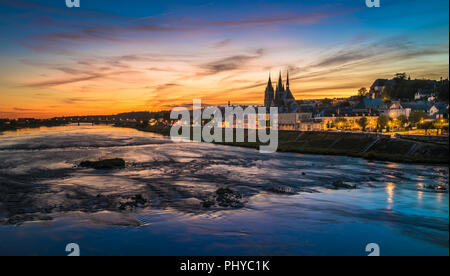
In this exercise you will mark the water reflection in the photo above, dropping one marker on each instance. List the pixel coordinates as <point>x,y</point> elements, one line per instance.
<point>439,197</point>
<point>390,187</point>
<point>167,185</point>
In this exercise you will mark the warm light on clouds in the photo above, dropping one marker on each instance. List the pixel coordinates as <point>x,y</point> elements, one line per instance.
<point>152,56</point>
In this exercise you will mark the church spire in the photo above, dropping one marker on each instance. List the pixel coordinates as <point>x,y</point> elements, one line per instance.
<point>287,82</point>
<point>269,95</point>
<point>280,81</point>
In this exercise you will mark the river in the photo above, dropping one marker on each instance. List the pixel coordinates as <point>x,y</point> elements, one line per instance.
<point>289,205</point>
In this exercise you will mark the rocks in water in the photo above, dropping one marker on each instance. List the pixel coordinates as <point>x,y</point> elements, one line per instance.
<point>139,200</point>
<point>281,190</point>
<point>343,185</point>
<point>21,218</point>
<point>208,204</point>
<point>134,202</point>
<point>106,164</point>
<point>225,197</point>
<point>229,198</point>
<point>437,188</point>
<point>308,190</point>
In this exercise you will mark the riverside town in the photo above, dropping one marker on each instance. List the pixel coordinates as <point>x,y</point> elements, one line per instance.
<point>188,130</point>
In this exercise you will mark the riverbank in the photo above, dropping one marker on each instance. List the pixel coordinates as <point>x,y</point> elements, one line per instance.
<point>30,125</point>
<point>367,146</point>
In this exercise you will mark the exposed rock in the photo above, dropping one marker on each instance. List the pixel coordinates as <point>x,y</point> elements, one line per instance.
<point>134,202</point>
<point>282,190</point>
<point>225,197</point>
<point>20,218</point>
<point>107,164</point>
<point>139,199</point>
<point>208,204</point>
<point>229,198</point>
<point>344,185</point>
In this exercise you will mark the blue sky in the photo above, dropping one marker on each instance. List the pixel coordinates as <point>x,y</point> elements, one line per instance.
<point>56,60</point>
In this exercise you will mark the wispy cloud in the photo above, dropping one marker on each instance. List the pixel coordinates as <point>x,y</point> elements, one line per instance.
<point>149,57</point>
<point>25,109</point>
<point>61,35</point>
<point>166,86</point>
<point>222,43</point>
<point>231,63</point>
<point>65,80</point>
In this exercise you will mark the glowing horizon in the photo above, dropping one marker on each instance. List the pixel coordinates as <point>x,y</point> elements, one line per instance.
<point>109,57</point>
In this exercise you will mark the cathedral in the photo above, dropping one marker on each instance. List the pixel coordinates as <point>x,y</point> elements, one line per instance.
<point>281,97</point>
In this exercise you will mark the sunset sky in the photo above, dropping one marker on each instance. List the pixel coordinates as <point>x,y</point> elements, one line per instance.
<point>117,56</point>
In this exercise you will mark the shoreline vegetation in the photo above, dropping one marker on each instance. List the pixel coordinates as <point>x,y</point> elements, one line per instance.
<point>374,147</point>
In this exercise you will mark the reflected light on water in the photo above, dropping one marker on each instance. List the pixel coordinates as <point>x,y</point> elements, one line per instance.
<point>390,192</point>
<point>420,187</point>
<point>419,196</point>
<point>439,197</point>
<point>393,165</point>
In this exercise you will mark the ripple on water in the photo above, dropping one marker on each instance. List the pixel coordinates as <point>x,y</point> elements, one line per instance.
<point>164,186</point>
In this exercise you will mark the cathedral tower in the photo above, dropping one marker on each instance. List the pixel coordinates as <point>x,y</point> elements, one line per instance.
<point>269,95</point>
<point>282,97</point>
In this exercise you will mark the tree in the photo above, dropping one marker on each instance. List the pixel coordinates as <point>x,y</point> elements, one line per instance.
<point>326,102</point>
<point>403,120</point>
<point>405,88</point>
<point>363,122</point>
<point>417,116</point>
<point>400,76</point>
<point>362,92</point>
<point>382,122</point>
<point>341,123</point>
<point>443,91</point>
<point>387,92</point>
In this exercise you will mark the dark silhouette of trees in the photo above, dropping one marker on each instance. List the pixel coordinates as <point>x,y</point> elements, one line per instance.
<point>400,77</point>
<point>341,123</point>
<point>382,122</point>
<point>362,92</point>
<point>363,122</point>
<point>417,116</point>
<point>403,120</point>
<point>405,88</point>
<point>443,91</point>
